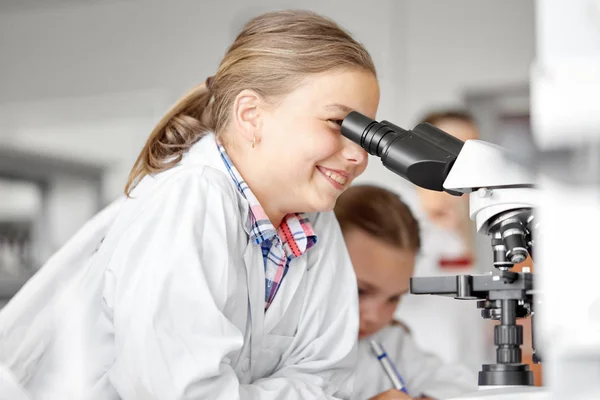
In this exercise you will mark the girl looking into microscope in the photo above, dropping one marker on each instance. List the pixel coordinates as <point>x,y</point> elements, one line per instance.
<point>223,274</point>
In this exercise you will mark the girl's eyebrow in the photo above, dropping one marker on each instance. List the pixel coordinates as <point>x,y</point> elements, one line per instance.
<point>339,107</point>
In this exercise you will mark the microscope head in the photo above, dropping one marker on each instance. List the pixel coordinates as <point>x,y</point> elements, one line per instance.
<point>423,156</point>
<point>485,165</point>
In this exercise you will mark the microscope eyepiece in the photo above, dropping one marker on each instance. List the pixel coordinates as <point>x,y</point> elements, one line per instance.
<point>373,136</point>
<point>423,156</point>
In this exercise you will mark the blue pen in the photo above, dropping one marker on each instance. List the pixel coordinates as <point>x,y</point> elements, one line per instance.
<point>388,366</point>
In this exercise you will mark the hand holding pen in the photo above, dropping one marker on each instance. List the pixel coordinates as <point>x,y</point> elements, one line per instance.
<point>392,394</point>
<point>399,392</point>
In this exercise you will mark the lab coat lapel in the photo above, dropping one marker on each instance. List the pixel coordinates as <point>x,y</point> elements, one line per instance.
<point>286,292</point>
<point>206,152</point>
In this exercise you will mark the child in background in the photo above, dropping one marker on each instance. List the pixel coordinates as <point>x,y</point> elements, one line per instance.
<point>383,240</point>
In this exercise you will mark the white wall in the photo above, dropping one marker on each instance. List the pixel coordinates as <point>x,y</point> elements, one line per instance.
<point>464,44</point>
<point>105,129</point>
<point>91,78</point>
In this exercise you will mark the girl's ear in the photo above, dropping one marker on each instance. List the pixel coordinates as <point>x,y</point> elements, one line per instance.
<point>247,115</point>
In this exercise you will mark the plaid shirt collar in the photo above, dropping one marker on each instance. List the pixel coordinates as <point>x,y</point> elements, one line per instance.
<point>296,241</point>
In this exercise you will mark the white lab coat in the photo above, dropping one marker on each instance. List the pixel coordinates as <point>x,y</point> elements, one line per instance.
<point>9,387</point>
<point>173,303</point>
<point>423,373</point>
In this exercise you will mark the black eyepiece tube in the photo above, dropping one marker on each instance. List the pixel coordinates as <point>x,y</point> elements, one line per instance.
<point>354,125</point>
<point>423,156</point>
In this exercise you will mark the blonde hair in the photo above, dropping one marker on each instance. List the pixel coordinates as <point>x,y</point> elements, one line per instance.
<point>272,54</point>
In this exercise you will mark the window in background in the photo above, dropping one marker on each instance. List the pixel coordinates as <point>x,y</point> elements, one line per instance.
<point>20,211</point>
<point>43,198</point>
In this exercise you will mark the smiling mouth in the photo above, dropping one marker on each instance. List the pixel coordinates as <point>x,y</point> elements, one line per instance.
<point>336,179</point>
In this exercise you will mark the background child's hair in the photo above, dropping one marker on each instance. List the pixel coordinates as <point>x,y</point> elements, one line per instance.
<point>437,116</point>
<point>380,213</point>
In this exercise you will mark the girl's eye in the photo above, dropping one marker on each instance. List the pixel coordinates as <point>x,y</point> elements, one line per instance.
<point>337,122</point>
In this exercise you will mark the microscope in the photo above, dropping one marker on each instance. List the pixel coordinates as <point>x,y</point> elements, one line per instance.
<point>501,202</point>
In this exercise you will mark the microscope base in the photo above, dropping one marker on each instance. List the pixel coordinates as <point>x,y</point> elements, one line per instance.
<point>505,375</point>
<point>507,393</point>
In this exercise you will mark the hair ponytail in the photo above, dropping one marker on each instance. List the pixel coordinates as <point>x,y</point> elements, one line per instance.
<point>183,125</point>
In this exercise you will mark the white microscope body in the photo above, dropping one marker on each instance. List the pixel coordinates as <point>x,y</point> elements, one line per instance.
<point>499,190</point>
<point>494,183</point>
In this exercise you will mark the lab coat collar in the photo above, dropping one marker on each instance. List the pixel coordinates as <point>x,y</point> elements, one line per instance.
<point>205,152</point>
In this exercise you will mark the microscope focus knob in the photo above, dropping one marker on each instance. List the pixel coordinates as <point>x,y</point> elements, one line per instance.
<point>508,338</point>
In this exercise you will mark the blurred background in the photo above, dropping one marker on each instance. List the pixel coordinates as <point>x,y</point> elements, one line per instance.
<point>82,82</point>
